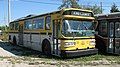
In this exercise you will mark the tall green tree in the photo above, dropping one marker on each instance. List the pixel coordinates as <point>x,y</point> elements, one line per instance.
<point>96,9</point>
<point>2,27</point>
<point>69,4</point>
<point>114,8</point>
<point>74,4</point>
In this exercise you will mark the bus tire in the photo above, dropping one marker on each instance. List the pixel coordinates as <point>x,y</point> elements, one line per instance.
<point>14,40</point>
<point>46,48</point>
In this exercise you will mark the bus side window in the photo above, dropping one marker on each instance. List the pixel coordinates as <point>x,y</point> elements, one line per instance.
<point>111,29</point>
<point>38,23</point>
<point>103,28</point>
<point>48,21</point>
<point>12,26</point>
<point>117,29</point>
<point>16,26</point>
<point>28,25</point>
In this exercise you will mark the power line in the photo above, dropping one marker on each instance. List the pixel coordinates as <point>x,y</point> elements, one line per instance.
<point>39,2</point>
<point>59,3</point>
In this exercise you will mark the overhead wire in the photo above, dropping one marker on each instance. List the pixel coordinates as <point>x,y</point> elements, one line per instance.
<point>39,2</point>
<point>58,3</point>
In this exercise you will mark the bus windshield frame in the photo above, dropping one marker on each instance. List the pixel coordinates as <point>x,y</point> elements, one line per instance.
<point>77,28</point>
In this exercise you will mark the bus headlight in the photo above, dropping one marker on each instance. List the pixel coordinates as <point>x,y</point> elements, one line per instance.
<point>92,43</point>
<point>67,44</point>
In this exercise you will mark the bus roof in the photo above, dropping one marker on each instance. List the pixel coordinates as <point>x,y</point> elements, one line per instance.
<point>33,16</point>
<point>116,13</point>
<point>108,16</point>
<point>77,9</point>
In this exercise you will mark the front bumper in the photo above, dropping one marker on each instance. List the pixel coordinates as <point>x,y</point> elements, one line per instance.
<point>78,52</point>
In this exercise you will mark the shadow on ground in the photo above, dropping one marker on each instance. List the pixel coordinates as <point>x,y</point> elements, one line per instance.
<point>22,51</point>
<point>19,51</point>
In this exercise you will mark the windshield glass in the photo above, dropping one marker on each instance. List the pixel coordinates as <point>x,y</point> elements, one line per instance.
<point>77,28</point>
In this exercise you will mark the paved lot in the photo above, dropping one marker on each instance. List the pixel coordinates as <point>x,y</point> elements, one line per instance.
<point>15,56</point>
<point>5,49</point>
<point>8,50</point>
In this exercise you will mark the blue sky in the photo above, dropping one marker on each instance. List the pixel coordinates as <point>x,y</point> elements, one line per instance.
<point>21,8</point>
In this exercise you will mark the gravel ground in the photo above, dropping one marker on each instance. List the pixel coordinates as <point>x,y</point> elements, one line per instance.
<point>15,56</point>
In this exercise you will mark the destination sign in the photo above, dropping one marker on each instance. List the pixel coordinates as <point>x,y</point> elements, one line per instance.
<point>78,13</point>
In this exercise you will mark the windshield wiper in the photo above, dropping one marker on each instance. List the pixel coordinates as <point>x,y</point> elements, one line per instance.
<point>85,27</point>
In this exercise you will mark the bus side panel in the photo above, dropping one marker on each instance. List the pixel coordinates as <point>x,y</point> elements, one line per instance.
<point>16,36</point>
<point>36,42</point>
<point>26,41</point>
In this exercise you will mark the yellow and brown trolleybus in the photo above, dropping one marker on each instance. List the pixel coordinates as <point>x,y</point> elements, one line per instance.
<point>108,38</point>
<point>67,32</point>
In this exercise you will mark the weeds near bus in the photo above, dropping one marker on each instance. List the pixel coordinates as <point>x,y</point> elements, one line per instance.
<point>32,57</point>
<point>5,32</point>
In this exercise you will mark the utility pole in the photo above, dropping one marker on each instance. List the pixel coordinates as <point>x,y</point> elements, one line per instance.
<point>9,12</point>
<point>9,17</point>
<point>101,7</point>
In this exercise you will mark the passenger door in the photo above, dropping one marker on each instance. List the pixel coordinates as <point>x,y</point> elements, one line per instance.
<point>20,35</point>
<point>56,29</point>
<point>117,38</point>
<point>111,38</point>
<point>114,38</point>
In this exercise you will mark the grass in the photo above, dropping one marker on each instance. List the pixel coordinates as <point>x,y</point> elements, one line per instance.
<point>30,55</point>
<point>4,36</point>
<point>84,60</point>
<point>35,57</point>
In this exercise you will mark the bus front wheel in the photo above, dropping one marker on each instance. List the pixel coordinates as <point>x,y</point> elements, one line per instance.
<point>46,48</point>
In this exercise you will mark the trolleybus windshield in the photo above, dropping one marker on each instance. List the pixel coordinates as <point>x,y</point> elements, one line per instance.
<point>77,28</point>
